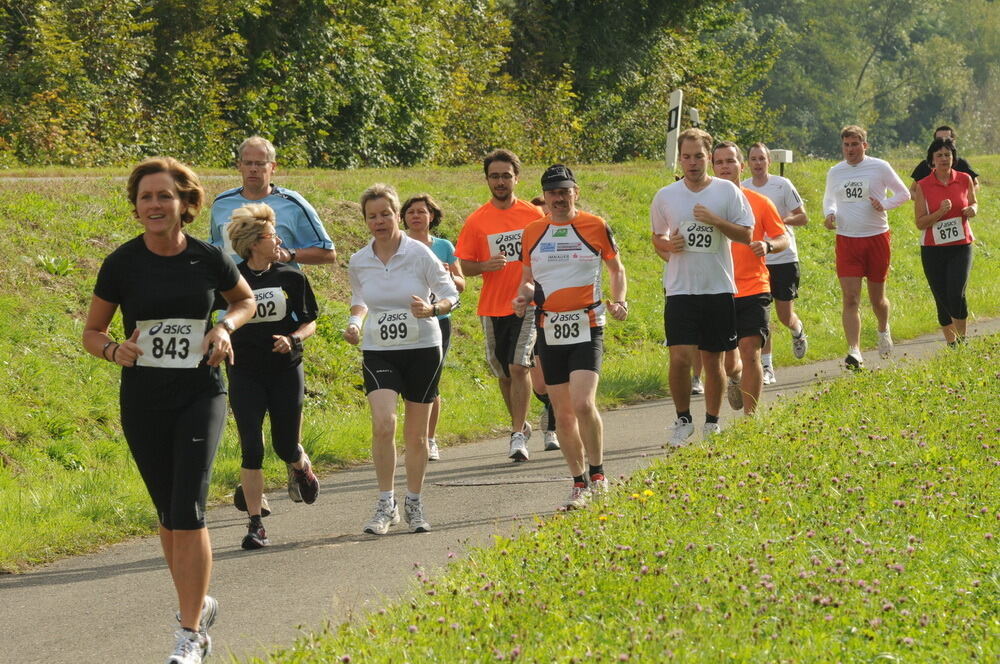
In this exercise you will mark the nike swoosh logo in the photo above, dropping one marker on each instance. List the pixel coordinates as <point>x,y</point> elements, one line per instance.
<point>197,440</point>
<point>195,261</point>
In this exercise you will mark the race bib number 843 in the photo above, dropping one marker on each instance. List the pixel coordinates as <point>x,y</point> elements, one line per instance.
<point>170,343</point>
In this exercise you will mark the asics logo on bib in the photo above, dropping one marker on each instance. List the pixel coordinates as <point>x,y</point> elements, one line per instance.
<point>509,237</point>
<point>570,317</point>
<point>263,295</point>
<point>389,317</point>
<point>170,329</point>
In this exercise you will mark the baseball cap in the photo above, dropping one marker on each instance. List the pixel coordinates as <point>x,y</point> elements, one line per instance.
<point>557,176</point>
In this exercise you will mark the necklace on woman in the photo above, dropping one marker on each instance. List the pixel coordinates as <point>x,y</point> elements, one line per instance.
<point>258,273</point>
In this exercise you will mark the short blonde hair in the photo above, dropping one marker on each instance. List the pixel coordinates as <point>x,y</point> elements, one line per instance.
<point>247,225</point>
<point>379,190</point>
<point>854,130</point>
<point>695,134</point>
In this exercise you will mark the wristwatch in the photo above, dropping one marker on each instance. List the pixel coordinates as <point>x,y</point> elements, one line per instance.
<point>228,324</point>
<point>768,245</point>
<point>291,255</point>
<point>296,342</point>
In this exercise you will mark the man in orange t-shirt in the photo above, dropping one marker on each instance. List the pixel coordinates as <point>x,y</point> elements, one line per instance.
<point>753,285</point>
<point>490,245</point>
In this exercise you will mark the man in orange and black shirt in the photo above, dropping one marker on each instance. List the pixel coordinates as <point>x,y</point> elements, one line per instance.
<point>753,284</point>
<point>563,255</point>
<point>490,245</point>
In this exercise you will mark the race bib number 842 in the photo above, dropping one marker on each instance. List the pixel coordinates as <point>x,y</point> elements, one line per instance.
<point>854,190</point>
<point>170,343</point>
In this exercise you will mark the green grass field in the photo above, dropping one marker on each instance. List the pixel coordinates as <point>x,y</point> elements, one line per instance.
<point>65,473</point>
<point>829,529</point>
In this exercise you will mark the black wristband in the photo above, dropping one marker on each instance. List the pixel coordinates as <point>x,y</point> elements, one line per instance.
<point>104,351</point>
<point>114,353</point>
<point>295,342</point>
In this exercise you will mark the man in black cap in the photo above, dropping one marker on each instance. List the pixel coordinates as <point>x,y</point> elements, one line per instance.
<point>923,169</point>
<point>562,255</point>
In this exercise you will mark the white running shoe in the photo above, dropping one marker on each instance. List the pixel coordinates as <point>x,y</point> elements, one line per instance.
<point>769,378</point>
<point>710,429</point>
<point>543,419</point>
<point>526,430</point>
<point>433,453</point>
<point>885,344</point>
<point>681,432</point>
<point>854,361</point>
<point>191,648</point>
<point>518,447</point>
<point>734,392</point>
<point>413,512</point>
<point>598,485</point>
<point>209,612</point>
<point>386,514</point>
<point>696,386</point>
<point>551,442</point>
<point>800,344</point>
<point>577,497</point>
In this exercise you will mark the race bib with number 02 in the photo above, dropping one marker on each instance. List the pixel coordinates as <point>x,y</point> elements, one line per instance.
<point>701,238</point>
<point>392,328</point>
<point>853,190</point>
<point>508,244</point>
<point>566,327</point>
<point>948,230</point>
<point>170,343</point>
<point>272,306</point>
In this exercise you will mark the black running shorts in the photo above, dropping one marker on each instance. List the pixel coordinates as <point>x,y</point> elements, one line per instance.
<point>753,314</point>
<point>413,373</point>
<point>784,281</point>
<point>705,321</point>
<point>558,362</point>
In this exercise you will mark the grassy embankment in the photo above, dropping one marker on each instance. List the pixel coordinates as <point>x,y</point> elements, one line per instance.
<point>831,529</point>
<point>66,479</point>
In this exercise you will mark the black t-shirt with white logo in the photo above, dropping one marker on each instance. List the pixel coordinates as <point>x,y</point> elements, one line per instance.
<point>170,298</point>
<point>284,301</point>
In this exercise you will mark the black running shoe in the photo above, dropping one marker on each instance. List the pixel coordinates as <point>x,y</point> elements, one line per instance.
<point>306,482</point>
<point>240,502</point>
<point>256,537</point>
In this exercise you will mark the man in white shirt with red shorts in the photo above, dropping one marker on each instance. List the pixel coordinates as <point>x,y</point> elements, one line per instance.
<point>856,204</point>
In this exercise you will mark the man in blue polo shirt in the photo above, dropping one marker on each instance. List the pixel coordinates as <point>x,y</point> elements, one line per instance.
<point>303,238</point>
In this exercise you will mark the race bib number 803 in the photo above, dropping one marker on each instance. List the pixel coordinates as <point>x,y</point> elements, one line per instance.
<point>170,343</point>
<point>566,327</point>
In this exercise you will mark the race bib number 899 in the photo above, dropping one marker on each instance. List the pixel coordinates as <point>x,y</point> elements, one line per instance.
<point>170,343</point>
<point>393,328</point>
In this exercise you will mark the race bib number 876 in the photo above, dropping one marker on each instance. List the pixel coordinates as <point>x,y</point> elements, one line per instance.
<point>170,343</point>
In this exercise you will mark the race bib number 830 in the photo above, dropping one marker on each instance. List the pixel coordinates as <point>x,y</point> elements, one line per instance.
<point>508,244</point>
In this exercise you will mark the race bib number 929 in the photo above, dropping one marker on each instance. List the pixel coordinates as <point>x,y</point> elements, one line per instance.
<point>701,238</point>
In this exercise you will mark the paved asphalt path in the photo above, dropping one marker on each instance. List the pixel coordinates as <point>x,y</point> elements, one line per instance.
<point>118,605</point>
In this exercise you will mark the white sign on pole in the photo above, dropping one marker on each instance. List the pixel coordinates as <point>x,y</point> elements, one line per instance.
<point>673,128</point>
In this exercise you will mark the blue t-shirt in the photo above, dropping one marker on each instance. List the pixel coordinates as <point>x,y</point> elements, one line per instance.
<point>297,223</point>
<point>445,251</point>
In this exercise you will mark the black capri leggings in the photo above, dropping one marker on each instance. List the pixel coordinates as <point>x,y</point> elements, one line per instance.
<point>174,450</point>
<point>947,270</point>
<point>252,394</point>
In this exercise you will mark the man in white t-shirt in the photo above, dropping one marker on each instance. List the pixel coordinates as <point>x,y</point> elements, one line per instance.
<point>783,266</point>
<point>856,204</point>
<point>693,221</point>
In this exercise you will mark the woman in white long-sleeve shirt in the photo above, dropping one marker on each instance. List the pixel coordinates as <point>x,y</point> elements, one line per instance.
<point>392,279</point>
